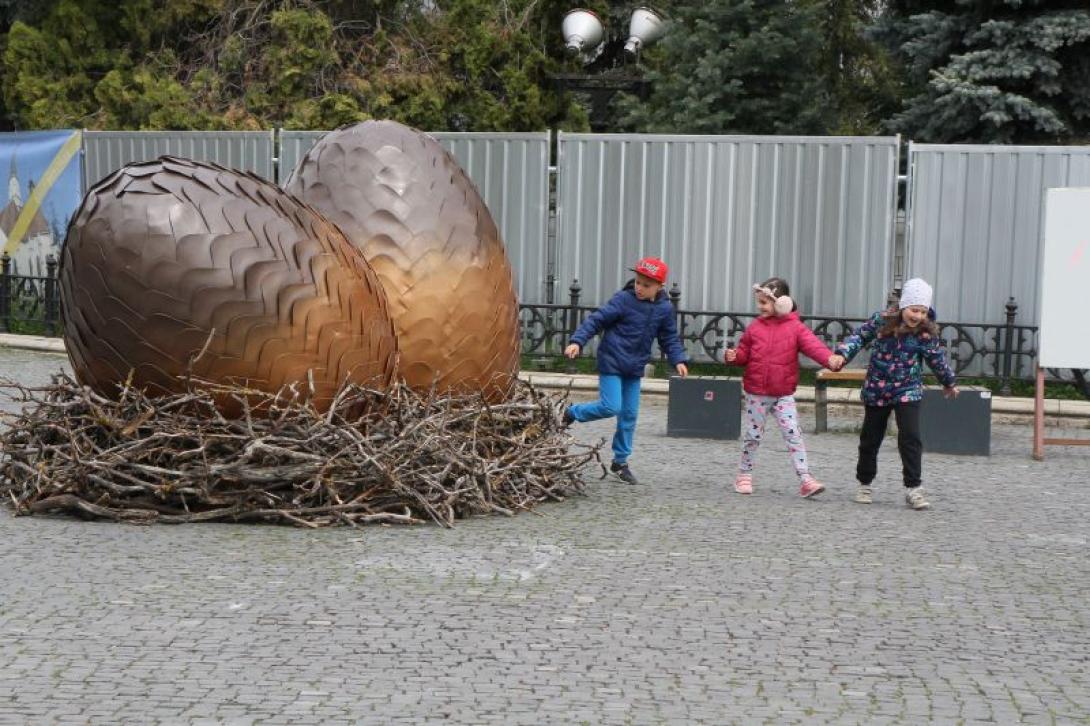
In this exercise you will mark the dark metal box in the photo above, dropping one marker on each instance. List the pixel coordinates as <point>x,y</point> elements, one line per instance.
<point>706,408</point>
<point>959,426</point>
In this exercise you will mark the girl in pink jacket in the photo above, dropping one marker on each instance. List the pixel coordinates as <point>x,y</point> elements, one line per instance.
<point>769,350</point>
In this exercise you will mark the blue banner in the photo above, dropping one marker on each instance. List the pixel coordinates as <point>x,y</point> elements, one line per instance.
<point>41,190</point>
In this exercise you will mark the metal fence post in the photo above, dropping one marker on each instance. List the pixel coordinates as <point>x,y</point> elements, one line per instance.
<point>5,292</point>
<point>1008,347</point>
<point>573,302</point>
<point>50,295</point>
<point>573,318</point>
<point>679,323</point>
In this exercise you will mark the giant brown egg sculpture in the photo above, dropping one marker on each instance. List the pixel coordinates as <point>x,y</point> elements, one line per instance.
<point>405,203</point>
<point>174,267</point>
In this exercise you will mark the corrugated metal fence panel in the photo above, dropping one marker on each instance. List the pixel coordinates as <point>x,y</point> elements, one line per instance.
<point>293,146</point>
<point>974,223</point>
<point>511,171</point>
<point>107,151</point>
<point>728,211</point>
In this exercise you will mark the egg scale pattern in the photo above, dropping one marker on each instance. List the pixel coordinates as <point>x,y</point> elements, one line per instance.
<point>169,258</point>
<point>406,204</point>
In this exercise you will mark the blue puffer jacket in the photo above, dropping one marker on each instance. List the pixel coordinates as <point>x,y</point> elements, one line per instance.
<point>630,326</point>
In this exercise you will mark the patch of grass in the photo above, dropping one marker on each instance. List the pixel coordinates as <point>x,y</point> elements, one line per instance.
<point>24,316</point>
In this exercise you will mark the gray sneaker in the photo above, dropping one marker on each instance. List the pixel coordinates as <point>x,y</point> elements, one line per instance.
<point>864,495</point>
<point>622,472</point>
<point>914,498</point>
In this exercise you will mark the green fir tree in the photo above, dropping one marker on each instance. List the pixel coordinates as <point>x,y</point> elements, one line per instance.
<point>991,71</point>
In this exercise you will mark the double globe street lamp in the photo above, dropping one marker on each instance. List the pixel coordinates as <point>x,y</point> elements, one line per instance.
<point>583,31</point>
<point>608,58</point>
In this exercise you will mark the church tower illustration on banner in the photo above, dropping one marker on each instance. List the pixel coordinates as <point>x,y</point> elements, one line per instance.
<point>28,258</point>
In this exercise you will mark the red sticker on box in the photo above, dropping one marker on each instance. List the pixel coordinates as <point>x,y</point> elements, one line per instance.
<point>709,395</point>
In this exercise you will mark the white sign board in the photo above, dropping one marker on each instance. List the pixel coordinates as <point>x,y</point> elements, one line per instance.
<point>1064,338</point>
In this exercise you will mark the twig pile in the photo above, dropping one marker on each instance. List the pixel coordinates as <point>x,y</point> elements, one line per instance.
<point>393,457</point>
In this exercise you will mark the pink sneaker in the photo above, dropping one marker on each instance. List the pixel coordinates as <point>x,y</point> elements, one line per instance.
<point>811,487</point>
<point>743,484</point>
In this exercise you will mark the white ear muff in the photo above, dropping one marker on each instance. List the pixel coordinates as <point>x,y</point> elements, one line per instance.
<point>783,305</point>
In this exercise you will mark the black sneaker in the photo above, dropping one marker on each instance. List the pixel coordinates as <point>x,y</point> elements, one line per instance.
<point>623,473</point>
<point>567,418</point>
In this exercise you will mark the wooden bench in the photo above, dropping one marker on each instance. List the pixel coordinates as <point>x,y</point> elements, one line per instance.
<point>821,400</point>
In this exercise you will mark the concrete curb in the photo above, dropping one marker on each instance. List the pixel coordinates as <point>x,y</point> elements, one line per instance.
<point>32,342</point>
<point>659,386</point>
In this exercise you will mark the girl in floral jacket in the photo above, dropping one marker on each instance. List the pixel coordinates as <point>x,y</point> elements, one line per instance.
<point>903,339</point>
<point>769,349</point>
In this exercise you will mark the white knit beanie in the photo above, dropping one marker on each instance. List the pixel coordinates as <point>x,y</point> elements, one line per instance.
<point>915,292</point>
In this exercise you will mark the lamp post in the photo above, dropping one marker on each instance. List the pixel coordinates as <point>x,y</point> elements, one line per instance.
<point>609,59</point>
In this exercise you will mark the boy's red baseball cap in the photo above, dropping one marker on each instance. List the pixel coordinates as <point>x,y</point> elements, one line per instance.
<point>652,267</point>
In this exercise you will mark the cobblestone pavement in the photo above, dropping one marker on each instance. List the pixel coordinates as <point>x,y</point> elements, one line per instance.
<point>669,602</point>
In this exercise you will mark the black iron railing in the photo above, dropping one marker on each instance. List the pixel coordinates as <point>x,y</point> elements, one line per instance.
<point>29,304</point>
<point>1000,351</point>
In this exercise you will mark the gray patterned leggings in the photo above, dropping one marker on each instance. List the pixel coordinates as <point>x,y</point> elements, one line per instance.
<point>754,416</point>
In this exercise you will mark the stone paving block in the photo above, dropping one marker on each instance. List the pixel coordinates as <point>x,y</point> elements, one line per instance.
<point>675,601</point>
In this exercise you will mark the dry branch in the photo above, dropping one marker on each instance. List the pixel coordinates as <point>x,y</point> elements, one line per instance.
<point>373,456</point>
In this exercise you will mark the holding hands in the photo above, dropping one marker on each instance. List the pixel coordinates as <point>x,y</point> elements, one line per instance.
<point>835,362</point>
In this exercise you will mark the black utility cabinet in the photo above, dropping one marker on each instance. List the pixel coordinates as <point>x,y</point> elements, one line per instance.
<point>959,426</point>
<point>704,408</point>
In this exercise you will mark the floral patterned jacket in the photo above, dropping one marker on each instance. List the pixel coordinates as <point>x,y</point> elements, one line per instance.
<point>895,372</point>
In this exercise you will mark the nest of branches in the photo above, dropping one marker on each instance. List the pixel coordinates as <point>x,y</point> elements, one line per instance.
<point>373,456</point>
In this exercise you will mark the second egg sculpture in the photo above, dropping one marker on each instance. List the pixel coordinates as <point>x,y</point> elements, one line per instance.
<point>404,202</point>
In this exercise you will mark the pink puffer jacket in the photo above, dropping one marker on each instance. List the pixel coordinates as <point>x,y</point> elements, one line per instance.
<point>769,350</point>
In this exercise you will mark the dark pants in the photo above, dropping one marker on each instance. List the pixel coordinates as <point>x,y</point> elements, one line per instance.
<point>908,441</point>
